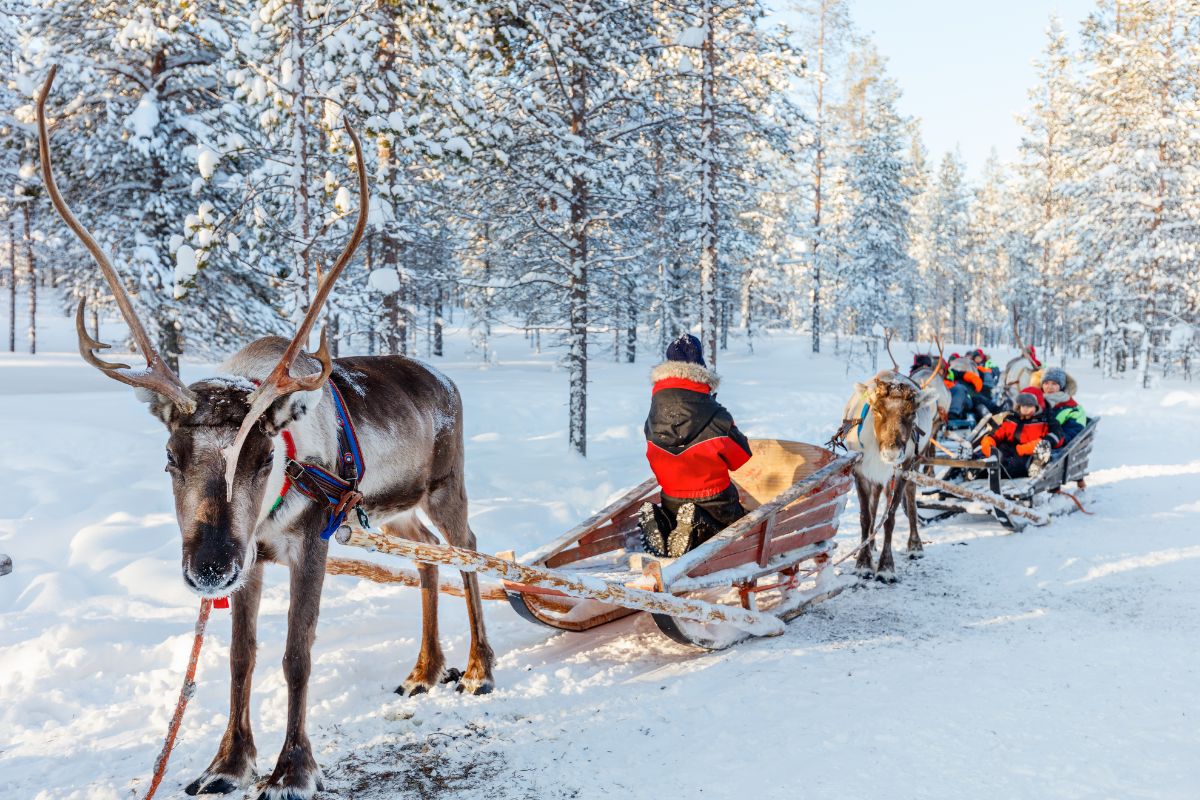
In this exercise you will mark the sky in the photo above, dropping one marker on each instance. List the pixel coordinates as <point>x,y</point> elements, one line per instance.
<point>964,66</point>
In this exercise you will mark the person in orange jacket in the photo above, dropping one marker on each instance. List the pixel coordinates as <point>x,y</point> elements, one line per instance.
<point>1024,440</point>
<point>966,390</point>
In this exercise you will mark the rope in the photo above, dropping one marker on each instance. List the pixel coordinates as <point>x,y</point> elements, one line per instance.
<point>879,521</point>
<point>1075,500</point>
<point>185,694</point>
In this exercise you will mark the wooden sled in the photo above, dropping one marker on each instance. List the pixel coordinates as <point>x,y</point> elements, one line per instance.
<point>770,561</point>
<point>1012,501</point>
<point>748,580</point>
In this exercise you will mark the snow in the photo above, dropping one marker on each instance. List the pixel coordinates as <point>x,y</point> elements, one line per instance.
<point>206,162</point>
<point>385,280</point>
<point>185,264</point>
<point>1058,662</point>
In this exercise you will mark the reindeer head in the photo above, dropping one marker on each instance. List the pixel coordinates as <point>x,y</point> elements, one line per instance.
<point>220,452</point>
<point>894,402</point>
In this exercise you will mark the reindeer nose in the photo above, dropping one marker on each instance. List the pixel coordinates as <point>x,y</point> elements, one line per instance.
<point>210,579</point>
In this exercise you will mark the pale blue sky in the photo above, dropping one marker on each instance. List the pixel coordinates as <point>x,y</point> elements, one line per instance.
<point>964,66</point>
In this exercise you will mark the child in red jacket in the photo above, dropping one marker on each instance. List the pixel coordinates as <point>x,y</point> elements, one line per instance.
<point>692,445</point>
<point>1025,439</point>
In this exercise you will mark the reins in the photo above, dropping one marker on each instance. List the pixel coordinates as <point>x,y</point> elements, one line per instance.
<point>185,693</point>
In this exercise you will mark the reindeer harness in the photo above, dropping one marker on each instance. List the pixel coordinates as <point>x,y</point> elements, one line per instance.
<point>338,491</point>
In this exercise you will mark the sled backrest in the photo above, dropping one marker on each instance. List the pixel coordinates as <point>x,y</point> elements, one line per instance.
<point>776,465</point>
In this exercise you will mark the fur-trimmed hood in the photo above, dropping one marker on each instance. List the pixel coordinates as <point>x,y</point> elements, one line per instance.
<point>685,371</point>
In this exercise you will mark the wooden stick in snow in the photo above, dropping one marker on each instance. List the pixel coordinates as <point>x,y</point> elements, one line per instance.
<point>753,622</point>
<point>988,498</point>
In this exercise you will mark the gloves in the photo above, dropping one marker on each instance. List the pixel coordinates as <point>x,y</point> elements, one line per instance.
<point>1028,448</point>
<point>986,446</point>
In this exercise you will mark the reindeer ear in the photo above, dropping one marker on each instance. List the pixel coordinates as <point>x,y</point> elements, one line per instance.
<point>161,407</point>
<point>289,409</point>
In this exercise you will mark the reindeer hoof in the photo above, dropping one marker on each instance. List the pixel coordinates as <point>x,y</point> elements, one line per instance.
<point>212,784</point>
<point>475,686</point>
<point>453,675</point>
<point>886,576</point>
<point>864,573</point>
<point>913,555</point>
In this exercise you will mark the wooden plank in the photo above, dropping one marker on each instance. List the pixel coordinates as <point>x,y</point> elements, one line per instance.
<point>587,550</point>
<point>745,555</point>
<point>764,543</point>
<point>990,498</point>
<point>634,496</point>
<point>568,583</point>
<point>965,463</point>
<point>813,483</point>
<point>723,578</point>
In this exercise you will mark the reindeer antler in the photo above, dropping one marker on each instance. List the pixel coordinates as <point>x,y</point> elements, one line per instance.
<point>887,343</point>
<point>1017,335</point>
<point>156,376</point>
<point>281,382</point>
<point>937,366</point>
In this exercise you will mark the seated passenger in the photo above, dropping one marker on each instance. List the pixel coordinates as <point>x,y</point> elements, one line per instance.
<point>1026,439</point>
<point>692,445</point>
<point>987,368</point>
<point>1059,388</point>
<point>966,390</point>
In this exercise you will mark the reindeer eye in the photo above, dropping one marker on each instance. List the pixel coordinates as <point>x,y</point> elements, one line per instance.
<point>171,462</point>
<point>267,461</point>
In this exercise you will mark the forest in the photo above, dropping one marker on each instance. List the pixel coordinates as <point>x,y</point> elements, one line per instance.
<point>602,175</point>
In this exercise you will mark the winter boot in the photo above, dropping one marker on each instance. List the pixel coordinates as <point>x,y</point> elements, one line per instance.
<point>652,535</point>
<point>1040,458</point>
<point>680,540</point>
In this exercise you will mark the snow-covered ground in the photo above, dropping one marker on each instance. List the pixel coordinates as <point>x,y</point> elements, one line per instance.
<point>1059,662</point>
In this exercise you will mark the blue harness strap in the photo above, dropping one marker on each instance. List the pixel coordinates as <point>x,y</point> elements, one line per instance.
<point>338,491</point>
<point>862,418</point>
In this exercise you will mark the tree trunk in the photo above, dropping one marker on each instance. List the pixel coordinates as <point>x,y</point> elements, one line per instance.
<point>300,156</point>
<point>12,285</point>
<point>709,211</point>
<point>631,333</point>
<point>818,174</point>
<point>437,321</point>
<point>577,283</point>
<point>32,268</point>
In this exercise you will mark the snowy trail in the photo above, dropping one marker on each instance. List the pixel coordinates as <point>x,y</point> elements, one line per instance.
<point>1059,662</point>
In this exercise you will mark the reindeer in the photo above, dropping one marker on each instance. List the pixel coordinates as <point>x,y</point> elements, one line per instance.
<point>225,454</point>
<point>1019,371</point>
<point>890,421</point>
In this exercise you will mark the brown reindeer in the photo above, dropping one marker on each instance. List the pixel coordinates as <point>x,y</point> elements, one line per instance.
<point>226,458</point>
<point>889,421</point>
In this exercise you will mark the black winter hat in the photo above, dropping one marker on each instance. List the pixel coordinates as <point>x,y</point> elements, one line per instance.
<point>686,348</point>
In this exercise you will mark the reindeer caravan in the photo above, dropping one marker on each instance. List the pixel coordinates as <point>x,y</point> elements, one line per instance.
<point>1008,453</point>
<point>284,450</point>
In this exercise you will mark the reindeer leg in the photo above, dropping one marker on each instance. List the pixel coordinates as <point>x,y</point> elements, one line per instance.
<point>915,548</point>
<point>447,507</point>
<point>867,495</point>
<point>886,573</point>
<point>233,766</point>
<point>296,775</point>
<point>430,666</point>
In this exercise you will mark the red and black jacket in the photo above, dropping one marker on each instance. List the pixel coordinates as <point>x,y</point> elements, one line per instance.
<point>691,441</point>
<point>1022,434</point>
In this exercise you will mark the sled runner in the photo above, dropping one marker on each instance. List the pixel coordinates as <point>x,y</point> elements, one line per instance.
<point>747,580</point>
<point>988,485</point>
